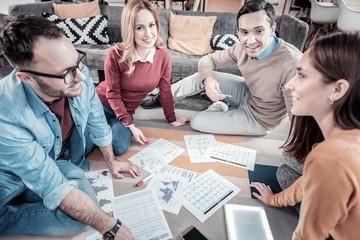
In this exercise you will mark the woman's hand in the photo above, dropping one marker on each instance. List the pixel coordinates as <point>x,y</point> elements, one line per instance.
<point>264,191</point>
<point>138,135</point>
<point>180,122</point>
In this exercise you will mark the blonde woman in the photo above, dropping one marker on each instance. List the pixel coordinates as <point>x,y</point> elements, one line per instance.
<point>134,68</point>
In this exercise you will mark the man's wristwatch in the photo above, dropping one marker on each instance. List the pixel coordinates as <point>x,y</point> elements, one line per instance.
<point>111,234</point>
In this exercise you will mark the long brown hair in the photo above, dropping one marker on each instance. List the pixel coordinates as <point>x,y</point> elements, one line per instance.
<point>128,17</point>
<point>336,57</point>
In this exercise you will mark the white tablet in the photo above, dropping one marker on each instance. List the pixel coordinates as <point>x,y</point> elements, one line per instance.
<point>247,222</point>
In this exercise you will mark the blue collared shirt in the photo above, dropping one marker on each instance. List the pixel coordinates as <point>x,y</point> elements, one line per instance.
<point>30,139</point>
<point>268,50</point>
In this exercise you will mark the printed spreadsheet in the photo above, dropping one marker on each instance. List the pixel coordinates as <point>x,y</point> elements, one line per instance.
<point>206,194</point>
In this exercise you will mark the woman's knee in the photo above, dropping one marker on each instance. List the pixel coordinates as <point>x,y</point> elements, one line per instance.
<point>121,139</point>
<point>120,146</point>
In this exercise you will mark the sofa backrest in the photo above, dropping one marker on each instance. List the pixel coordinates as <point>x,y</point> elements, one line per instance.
<point>114,21</point>
<point>32,8</point>
<point>113,13</point>
<point>288,28</point>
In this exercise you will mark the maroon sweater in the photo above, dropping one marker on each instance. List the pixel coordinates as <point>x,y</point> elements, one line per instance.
<point>61,110</point>
<point>123,93</point>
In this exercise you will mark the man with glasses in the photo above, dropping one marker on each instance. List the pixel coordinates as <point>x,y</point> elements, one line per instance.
<point>50,119</point>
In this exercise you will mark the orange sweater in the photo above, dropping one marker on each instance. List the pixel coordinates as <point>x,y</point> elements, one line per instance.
<point>288,197</point>
<point>329,189</point>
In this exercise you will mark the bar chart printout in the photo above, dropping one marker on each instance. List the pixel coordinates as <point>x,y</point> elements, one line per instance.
<point>141,213</point>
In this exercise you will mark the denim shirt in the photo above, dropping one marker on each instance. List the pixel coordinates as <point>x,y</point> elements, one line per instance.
<point>30,139</point>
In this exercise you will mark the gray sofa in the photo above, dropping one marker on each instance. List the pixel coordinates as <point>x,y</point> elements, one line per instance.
<point>288,28</point>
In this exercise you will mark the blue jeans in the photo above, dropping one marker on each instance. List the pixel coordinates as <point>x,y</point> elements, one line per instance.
<point>26,214</point>
<point>121,134</point>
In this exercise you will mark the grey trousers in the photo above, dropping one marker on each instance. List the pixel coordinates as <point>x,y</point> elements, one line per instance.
<point>236,121</point>
<point>289,172</point>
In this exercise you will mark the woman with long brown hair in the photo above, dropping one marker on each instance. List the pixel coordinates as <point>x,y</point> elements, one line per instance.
<point>326,102</point>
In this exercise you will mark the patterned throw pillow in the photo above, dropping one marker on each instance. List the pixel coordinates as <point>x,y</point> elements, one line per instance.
<point>91,30</point>
<point>223,42</point>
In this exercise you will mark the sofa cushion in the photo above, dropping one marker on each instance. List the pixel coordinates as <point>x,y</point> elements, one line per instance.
<point>223,42</point>
<point>80,10</point>
<point>190,34</point>
<point>92,30</point>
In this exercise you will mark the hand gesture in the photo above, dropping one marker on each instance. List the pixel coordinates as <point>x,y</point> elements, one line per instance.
<point>212,89</point>
<point>180,122</point>
<point>264,191</point>
<point>138,135</point>
<point>116,167</point>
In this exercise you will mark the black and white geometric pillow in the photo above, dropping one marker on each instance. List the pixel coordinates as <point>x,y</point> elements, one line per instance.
<point>91,30</point>
<point>223,42</point>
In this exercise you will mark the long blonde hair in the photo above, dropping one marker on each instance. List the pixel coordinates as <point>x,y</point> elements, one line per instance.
<point>128,18</point>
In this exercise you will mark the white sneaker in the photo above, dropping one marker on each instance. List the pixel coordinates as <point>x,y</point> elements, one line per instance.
<point>218,106</point>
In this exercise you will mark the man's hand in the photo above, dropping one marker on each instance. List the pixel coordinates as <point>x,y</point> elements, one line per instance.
<point>124,233</point>
<point>264,191</point>
<point>212,89</point>
<point>180,122</point>
<point>116,167</point>
<point>138,135</point>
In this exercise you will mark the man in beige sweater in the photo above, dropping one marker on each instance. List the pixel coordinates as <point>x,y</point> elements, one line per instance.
<point>258,98</point>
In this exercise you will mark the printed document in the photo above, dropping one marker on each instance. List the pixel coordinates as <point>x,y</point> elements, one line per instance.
<point>141,212</point>
<point>166,182</point>
<point>157,154</point>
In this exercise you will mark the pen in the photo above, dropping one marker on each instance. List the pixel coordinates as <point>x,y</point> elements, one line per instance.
<point>218,202</point>
<point>226,95</point>
<point>146,179</point>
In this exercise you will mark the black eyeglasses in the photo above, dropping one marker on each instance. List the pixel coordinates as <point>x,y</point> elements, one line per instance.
<point>70,74</point>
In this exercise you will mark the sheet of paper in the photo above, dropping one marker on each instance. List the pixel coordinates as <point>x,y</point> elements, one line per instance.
<point>199,147</point>
<point>206,194</point>
<point>95,236</point>
<point>234,155</point>
<point>101,181</point>
<point>166,182</point>
<point>157,154</point>
<point>141,212</point>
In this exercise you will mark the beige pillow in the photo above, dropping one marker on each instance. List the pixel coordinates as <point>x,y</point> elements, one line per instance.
<point>190,34</point>
<point>80,10</point>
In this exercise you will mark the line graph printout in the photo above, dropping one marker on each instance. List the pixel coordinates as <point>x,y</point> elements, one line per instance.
<point>206,194</point>
<point>158,153</point>
<point>234,155</point>
<point>141,212</point>
<point>101,182</point>
<point>166,182</point>
<point>199,147</point>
